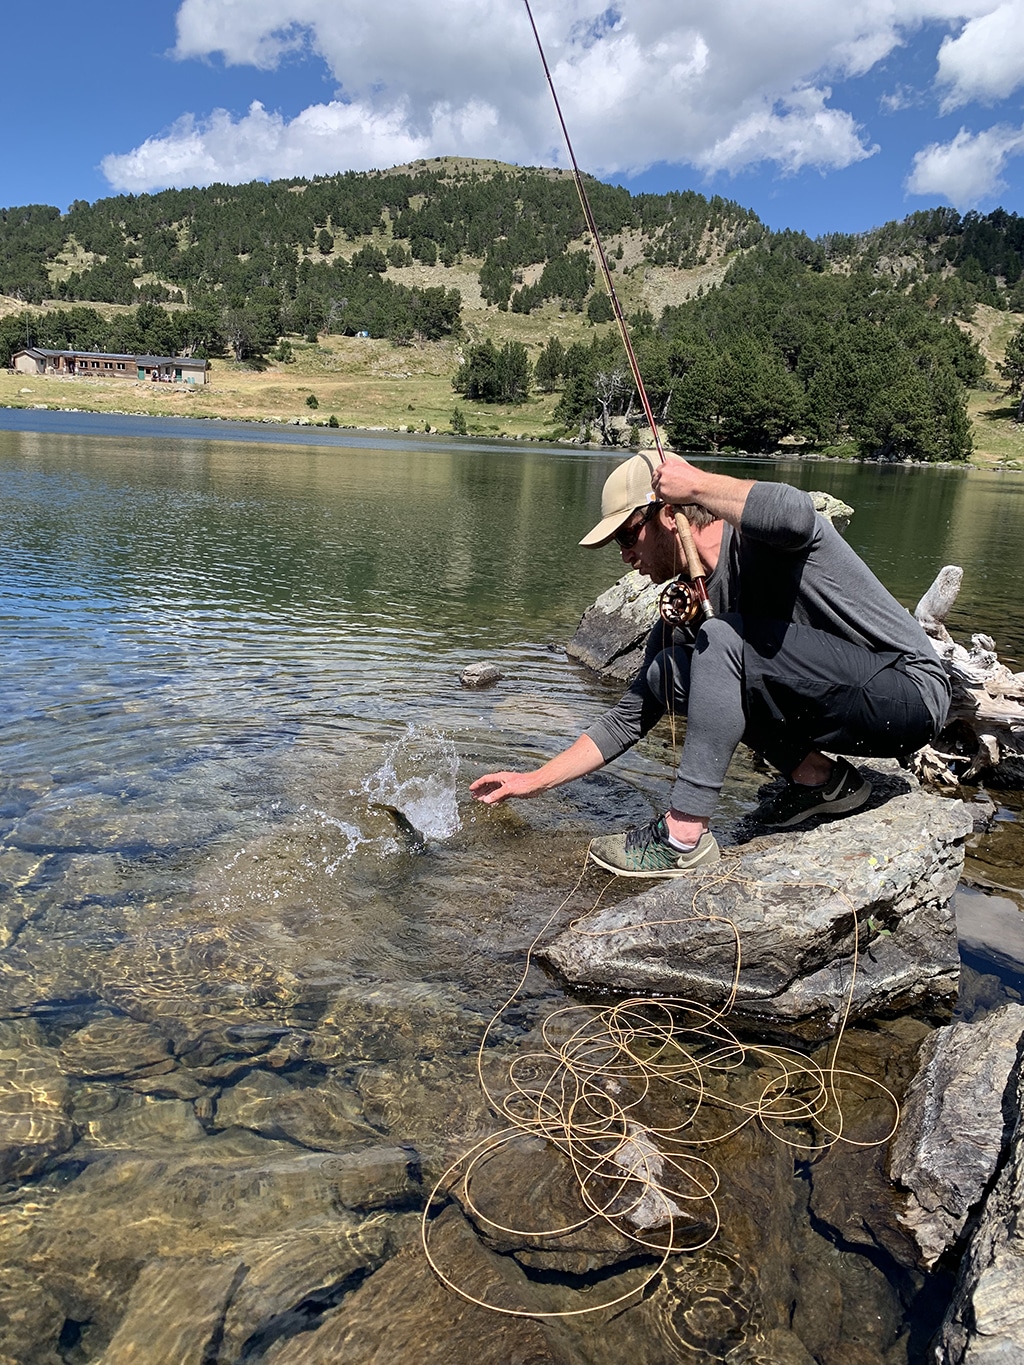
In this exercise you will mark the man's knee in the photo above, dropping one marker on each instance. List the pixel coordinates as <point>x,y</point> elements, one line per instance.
<point>720,640</point>
<point>668,676</point>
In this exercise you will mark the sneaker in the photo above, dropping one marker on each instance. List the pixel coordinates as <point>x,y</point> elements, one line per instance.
<point>646,852</point>
<point>845,791</point>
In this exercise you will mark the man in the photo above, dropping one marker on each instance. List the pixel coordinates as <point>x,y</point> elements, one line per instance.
<point>807,652</point>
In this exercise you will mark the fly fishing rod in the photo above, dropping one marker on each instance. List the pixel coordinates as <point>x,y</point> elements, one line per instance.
<point>681,601</point>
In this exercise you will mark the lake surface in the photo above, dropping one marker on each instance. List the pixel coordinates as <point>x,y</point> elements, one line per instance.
<point>223,965</point>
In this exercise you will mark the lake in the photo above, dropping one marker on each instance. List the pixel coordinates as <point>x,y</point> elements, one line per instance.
<point>240,1005</point>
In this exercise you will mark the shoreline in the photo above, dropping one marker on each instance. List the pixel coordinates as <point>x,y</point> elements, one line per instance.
<point>304,431</point>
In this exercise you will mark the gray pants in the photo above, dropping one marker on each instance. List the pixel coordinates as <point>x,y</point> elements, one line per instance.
<point>784,690</point>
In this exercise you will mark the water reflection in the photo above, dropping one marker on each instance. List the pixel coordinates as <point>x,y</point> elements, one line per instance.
<point>240,1008</point>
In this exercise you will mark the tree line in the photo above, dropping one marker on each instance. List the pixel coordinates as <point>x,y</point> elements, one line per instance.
<point>779,350</point>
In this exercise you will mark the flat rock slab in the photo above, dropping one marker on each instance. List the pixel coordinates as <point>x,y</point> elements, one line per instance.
<point>952,1129</point>
<point>780,920</point>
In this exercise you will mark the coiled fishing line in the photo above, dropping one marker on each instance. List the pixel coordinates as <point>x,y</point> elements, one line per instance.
<point>584,1092</point>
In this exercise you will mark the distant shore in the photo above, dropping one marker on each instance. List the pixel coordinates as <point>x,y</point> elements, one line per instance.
<point>45,419</point>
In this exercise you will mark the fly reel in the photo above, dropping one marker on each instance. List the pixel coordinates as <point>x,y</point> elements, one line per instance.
<point>679,603</point>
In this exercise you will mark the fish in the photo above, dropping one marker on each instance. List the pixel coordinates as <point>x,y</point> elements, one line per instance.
<point>416,839</point>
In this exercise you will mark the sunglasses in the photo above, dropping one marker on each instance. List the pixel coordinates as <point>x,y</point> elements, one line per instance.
<point>627,536</point>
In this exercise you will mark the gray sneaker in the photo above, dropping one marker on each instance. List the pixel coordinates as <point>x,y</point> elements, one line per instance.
<point>845,791</point>
<point>646,852</point>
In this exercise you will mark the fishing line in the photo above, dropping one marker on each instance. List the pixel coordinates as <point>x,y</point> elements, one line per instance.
<point>586,1089</point>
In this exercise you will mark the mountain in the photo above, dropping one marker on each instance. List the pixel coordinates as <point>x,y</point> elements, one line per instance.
<point>747,337</point>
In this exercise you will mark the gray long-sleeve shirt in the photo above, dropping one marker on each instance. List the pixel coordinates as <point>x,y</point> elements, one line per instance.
<point>788,563</point>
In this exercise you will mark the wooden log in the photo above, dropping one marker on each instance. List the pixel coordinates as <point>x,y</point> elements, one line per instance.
<point>985,730</point>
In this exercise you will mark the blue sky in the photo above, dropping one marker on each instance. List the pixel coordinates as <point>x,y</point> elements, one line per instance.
<point>819,115</point>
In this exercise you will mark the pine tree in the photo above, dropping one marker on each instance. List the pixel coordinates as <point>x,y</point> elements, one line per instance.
<point>550,365</point>
<point>693,411</point>
<point>1012,370</point>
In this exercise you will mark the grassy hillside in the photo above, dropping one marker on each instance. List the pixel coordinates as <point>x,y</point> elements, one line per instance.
<point>437,257</point>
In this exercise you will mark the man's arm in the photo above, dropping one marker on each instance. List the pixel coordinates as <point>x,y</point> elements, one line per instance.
<point>580,758</point>
<point>677,481</point>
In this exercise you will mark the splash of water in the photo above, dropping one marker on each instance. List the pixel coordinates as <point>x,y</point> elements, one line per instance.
<point>418,778</point>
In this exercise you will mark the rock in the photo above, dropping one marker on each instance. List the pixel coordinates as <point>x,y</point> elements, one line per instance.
<point>35,1122</point>
<point>287,1279</point>
<point>112,1045</point>
<point>404,1313</point>
<point>991,927</point>
<point>951,1132</point>
<point>168,1085</point>
<point>323,1117</point>
<point>834,510</point>
<point>30,1319</point>
<point>393,1020</point>
<point>480,675</point>
<point>985,1322</point>
<point>792,899</point>
<point>529,1186</point>
<point>139,1122</point>
<point>777,1347</point>
<point>983,812</point>
<point>435,1104</point>
<point>612,634</point>
<point>851,1193</point>
<point>175,1311</point>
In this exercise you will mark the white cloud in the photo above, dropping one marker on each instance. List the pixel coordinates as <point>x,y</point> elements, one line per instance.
<point>719,84</point>
<point>796,133</point>
<point>261,144</point>
<point>986,61</point>
<point>968,169</point>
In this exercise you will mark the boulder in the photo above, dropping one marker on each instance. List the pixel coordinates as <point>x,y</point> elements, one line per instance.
<point>951,1133</point>
<point>323,1117</point>
<point>523,1188</point>
<point>985,1321</point>
<point>480,675</point>
<point>611,636</point>
<point>877,884</point>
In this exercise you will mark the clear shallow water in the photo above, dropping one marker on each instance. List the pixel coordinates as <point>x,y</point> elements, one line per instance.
<point>218,950</point>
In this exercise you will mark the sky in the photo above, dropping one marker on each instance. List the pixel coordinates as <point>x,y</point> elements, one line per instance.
<point>821,115</point>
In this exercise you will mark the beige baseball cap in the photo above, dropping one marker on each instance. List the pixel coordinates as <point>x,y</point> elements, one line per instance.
<point>626,488</point>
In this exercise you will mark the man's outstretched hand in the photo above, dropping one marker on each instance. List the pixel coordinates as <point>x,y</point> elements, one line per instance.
<point>495,787</point>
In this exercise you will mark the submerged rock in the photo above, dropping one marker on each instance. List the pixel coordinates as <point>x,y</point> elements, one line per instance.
<point>35,1122</point>
<point>175,1311</point>
<point>951,1133</point>
<point>872,889</point>
<point>323,1117</point>
<point>525,1187</point>
<point>286,1279</point>
<point>404,1313</point>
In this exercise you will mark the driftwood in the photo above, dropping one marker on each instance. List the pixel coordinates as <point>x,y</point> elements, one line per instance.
<point>985,729</point>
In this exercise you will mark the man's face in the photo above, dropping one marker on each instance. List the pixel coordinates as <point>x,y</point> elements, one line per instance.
<point>654,552</point>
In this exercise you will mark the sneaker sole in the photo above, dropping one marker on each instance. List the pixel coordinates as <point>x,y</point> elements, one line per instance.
<point>828,810</point>
<point>705,860</point>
